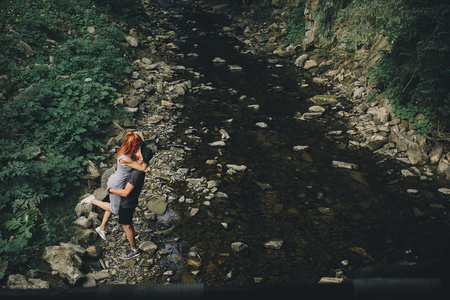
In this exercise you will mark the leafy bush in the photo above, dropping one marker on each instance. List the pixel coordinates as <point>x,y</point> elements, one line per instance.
<point>295,30</point>
<point>56,121</point>
<point>414,71</point>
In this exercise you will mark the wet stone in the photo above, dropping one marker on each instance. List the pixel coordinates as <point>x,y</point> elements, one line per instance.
<point>344,165</point>
<point>274,244</point>
<point>238,246</point>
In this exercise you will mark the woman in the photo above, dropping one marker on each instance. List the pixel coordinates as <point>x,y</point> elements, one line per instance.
<point>125,163</point>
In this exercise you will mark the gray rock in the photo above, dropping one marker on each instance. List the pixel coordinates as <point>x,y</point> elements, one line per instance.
<point>146,61</point>
<point>377,141</point>
<point>65,261</point>
<point>83,222</point>
<point>100,275</point>
<point>83,209</point>
<point>324,100</point>
<point>212,184</point>
<point>89,282</point>
<point>300,61</point>
<point>148,246</point>
<point>157,205</point>
<point>316,109</point>
<point>20,282</point>
<point>235,68</point>
<point>444,168</point>
<point>194,211</point>
<point>75,247</point>
<point>132,41</point>
<point>133,102</point>
<point>237,168</point>
<point>344,165</point>
<point>274,244</point>
<point>326,211</point>
<point>85,236</point>
<point>444,191</point>
<point>92,169</point>
<point>309,64</point>
<point>218,60</point>
<point>221,195</point>
<point>262,125</point>
<point>217,144</point>
<point>300,148</point>
<point>94,252</point>
<point>180,89</point>
<point>263,186</point>
<point>238,246</point>
<point>435,155</point>
<point>415,155</point>
<point>139,84</point>
<point>407,173</point>
<point>310,116</point>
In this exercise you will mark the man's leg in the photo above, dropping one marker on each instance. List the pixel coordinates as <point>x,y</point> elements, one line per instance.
<point>126,219</point>
<point>129,231</point>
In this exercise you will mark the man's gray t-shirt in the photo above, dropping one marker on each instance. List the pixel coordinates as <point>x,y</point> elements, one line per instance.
<point>135,178</point>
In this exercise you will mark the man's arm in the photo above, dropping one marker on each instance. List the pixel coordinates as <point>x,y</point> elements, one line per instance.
<point>122,192</point>
<point>143,167</point>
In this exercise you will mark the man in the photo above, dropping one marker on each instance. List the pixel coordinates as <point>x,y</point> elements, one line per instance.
<point>130,194</point>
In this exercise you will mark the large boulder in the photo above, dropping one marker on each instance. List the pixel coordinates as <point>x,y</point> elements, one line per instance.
<point>300,61</point>
<point>444,167</point>
<point>157,205</point>
<point>85,236</point>
<point>377,141</point>
<point>20,282</point>
<point>65,261</point>
<point>416,155</point>
<point>435,155</point>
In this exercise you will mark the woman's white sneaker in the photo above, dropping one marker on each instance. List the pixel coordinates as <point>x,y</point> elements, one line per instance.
<point>101,233</point>
<point>87,200</point>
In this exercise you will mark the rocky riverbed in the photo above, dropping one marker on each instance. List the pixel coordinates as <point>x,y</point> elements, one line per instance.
<point>211,213</point>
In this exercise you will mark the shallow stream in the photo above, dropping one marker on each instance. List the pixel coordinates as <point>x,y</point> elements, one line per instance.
<point>323,215</point>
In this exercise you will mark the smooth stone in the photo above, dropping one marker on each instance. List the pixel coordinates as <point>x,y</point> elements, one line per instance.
<point>238,247</point>
<point>344,165</point>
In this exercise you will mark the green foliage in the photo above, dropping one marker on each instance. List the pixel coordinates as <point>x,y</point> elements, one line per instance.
<point>37,22</point>
<point>364,19</point>
<point>130,11</point>
<point>414,71</point>
<point>325,15</point>
<point>55,123</point>
<point>295,30</point>
<point>23,224</point>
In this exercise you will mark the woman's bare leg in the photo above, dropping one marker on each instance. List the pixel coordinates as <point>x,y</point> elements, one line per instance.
<point>105,207</point>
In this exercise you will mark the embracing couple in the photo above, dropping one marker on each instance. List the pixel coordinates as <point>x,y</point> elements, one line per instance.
<point>124,187</point>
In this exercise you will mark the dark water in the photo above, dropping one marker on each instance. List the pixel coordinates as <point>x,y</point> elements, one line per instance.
<point>323,215</point>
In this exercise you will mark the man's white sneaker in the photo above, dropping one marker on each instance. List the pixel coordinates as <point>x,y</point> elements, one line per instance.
<point>87,200</point>
<point>101,233</point>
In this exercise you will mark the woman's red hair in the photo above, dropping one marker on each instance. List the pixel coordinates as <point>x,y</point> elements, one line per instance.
<point>132,142</point>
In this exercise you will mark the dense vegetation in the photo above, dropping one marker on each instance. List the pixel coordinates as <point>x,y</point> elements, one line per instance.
<point>414,72</point>
<point>63,81</point>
